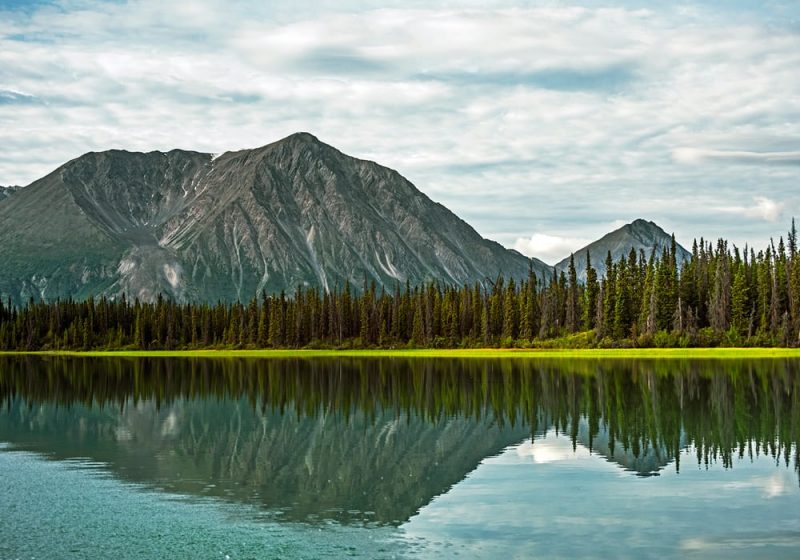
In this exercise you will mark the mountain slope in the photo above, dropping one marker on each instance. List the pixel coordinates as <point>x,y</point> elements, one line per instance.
<point>195,227</point>
<point>639,234</point>
<point>356,468</point>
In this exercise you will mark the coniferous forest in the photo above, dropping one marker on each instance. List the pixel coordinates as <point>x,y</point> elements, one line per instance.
<point>723,296</point>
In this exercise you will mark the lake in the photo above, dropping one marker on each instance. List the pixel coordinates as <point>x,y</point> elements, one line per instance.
<point>398,458</point>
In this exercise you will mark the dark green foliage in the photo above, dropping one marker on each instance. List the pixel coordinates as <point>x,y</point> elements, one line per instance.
<point>720,297</point>
<point>738,408</point>
<point>573,311</point>
<point>590,295</point>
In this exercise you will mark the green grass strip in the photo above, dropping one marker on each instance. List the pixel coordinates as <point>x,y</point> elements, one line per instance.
<point>482,353</point>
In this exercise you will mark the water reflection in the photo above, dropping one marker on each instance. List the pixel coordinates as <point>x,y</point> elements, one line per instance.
<point>374,440</point>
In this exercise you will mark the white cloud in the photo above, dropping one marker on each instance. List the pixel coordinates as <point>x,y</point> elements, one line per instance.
<point>558,116</point>
<point>776,485</point>
<point>763,208</point>
<point>767,209</point>
<point>699,156</point>
<point>549,248</point>
<point>551,449</point>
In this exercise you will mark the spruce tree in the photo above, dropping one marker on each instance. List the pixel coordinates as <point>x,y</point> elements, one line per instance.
<point>510,319</point>
<point>720,303</point>
<point>590,295</point>
<point>573,312</point>
<point>622,303</point>
<point>609,295</point>
<point>418,329</point>
<point>740,302</point>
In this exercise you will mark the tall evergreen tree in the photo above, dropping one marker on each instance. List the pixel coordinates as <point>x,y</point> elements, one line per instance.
<point>720,305</point>
<point>590,295</point>
<point>573,312</point>
<point>740,303</point>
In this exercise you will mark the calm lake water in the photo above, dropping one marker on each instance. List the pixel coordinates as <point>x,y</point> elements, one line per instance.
<point>396,458</point>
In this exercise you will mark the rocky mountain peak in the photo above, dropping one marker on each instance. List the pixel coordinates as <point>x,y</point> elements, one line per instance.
<point>299,142</point>
<point>296,212</point>
<point>641,235</point>
<point>641,223</point>
<point>302,138</point>
<point>645,229</point>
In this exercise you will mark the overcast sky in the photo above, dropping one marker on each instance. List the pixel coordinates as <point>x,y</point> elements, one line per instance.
<point>544,125</point>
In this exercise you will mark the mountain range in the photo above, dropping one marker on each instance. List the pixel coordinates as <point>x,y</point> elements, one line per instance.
<point>198,227</point>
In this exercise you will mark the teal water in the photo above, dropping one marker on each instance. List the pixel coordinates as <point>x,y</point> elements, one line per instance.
<point>75,509</point>
<point>398,459</point>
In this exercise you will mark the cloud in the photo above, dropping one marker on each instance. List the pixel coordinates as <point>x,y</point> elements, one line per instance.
<point>778,484</point>
<point>549,248</point>
<point>337,62</point>
<point>699,156</point>
<point>763,208</point>
<point>550,449</point>
<point>10,97</point>
<point>601,79</point>
<point>520,117</point>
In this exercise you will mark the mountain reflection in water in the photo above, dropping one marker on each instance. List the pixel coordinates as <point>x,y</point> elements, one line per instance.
<point>375,440</point>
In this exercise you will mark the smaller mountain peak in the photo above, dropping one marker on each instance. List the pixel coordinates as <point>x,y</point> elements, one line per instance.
<point>642,223</point>
<point>298,140</point>
<point>640,226</point>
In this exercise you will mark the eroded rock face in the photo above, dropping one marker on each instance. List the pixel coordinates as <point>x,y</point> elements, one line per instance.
<point>194,227</point>
<point>5,192</point>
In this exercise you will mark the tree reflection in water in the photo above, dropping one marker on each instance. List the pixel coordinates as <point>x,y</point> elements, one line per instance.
<point>373,440</point>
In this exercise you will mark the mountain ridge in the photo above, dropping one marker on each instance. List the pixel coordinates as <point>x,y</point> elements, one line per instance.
<point>195,226</point>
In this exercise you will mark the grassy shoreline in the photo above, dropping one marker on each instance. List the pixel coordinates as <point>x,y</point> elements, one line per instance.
<point>483,353</point>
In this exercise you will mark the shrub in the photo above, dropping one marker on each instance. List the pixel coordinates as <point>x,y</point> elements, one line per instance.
<point>664,339</point>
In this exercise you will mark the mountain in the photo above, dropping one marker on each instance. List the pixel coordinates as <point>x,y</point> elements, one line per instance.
<point>649,458</point>
<point>5,192</point>
<point>379,467</point>
<point>197,227</point>
<point>639,234</point>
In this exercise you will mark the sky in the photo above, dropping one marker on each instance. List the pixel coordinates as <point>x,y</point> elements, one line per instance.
<point>544,124</point>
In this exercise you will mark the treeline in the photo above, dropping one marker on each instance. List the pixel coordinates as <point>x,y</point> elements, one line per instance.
<point>739,409</point>
<point>722,296</point>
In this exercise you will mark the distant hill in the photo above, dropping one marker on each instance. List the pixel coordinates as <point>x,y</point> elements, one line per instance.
<point>639,234</point>
<point>196,227</point>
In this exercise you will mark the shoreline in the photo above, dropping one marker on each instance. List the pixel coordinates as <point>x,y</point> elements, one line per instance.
<point>482,353</point>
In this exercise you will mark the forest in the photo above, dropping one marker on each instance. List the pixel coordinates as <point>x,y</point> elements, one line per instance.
<point>722,296</point>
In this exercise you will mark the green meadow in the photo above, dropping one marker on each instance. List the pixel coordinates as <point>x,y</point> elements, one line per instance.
<point>482,353</point>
